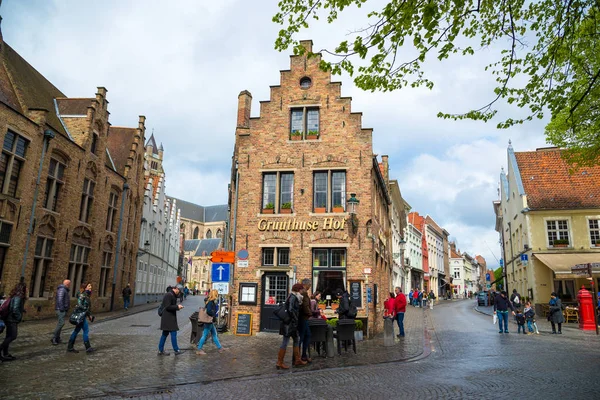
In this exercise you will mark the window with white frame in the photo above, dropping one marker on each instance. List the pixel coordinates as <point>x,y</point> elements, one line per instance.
<point>558,232</point>
<point>275,256</point>
<point>41,265</point>
<point>594,232</point>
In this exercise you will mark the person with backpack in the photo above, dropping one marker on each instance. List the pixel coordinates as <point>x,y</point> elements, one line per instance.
<point>515,299</point>
<point>290,329</point>
<point>63,302</point>
<point>168,320</point>
<point>84,305</point>
<point>346,310</point>
<point>11,312</point>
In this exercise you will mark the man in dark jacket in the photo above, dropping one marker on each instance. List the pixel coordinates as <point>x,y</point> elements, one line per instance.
<point>501,306</point>
<point>305,314</point>
<point>344,307</point>
<point>516,300</point>
<point>63,302</point>
<point>168,321</point>
<point>126,296</point>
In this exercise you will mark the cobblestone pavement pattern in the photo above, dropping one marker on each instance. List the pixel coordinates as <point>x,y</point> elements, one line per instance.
<point>451,352</point>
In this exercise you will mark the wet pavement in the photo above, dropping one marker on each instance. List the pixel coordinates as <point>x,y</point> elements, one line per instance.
<point>126,360</point>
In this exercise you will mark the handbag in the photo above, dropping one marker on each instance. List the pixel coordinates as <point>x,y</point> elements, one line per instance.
<point>77,317</point>
<point>495,319</point>
<point>282,313</point>
<point>204,317</point>
<point>2,326</point>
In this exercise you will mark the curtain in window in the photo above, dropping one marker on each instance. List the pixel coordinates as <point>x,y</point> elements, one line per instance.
<point>320,185</point>
<point>287,189</point>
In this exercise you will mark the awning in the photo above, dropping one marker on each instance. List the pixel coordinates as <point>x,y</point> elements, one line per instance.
<point>561,263</point>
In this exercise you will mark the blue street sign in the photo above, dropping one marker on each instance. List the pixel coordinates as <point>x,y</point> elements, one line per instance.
<point>487,277</point>
<point>524,257</point>
<point>369,299</point>
<point>501,262</point>
<point>220,272</point>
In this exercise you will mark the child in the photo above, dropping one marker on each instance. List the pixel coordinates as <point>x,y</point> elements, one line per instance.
<point>529,314</point>
<point>521,322</point>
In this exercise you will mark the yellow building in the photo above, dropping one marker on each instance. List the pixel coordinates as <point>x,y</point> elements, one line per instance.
<point>549,221</point>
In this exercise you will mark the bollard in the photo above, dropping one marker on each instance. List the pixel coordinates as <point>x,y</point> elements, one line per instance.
<point>388,332</point>
<point>329,337</point>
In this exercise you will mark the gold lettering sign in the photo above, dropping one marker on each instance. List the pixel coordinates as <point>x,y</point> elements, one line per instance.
<point>293,225</point>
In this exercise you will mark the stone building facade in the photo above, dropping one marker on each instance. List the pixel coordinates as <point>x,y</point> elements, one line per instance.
<point>202,222</point>
<point>197,257</point>
<point>294,170</point>
<point>159,248</point>
<point>87,169</point>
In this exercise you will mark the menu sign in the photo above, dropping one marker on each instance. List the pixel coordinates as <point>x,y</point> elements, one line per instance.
<point>356,293</point>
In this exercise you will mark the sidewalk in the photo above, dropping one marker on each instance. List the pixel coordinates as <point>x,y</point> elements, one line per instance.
<point>544,326</point>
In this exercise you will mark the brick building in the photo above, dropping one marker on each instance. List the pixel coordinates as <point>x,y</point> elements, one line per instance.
<point>294,169</point>
<point>82,177</point>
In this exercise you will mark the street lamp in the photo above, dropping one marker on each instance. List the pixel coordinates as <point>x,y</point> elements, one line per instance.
<point>352,205</point>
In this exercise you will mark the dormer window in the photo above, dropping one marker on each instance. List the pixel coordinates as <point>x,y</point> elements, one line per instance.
<point>305,82</point>
<point>304,123</point>
<point>94,143</point>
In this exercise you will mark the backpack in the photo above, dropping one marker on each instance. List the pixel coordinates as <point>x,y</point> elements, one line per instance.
<point>516,300</point>
<point>4,309</point>
<point>161,309</point>
<point>352,310</point>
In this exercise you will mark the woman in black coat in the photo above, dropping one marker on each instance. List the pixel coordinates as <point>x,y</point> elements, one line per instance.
<point>16,308</point>
<point>168,321</point>
<point>290,330</point>
<point>556,315</point>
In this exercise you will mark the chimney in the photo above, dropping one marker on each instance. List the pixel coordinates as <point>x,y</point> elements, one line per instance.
<point>307,44</point>
<point>244,104</point>
<point>386,169</point>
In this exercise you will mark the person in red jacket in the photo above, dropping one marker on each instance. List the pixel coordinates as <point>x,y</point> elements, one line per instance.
<point>400,309</point>
<point>389,306</point>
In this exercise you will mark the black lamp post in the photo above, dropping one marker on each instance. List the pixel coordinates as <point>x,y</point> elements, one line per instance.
<point>352,206</point>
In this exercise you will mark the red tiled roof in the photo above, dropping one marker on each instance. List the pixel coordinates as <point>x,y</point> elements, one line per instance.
<point>549,185</point>
<point>119,143</point>
<point>454,254</point>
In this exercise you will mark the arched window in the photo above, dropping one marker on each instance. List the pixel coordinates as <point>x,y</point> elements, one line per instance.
<point>208,234</point>
<point>219,233</point>
<point>196,233</point>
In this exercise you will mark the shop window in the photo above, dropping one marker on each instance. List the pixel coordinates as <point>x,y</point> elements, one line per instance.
<point>304,121</point>
<point>594,232</point>
<point>275,256</point>
<point>278,192</point>
<point>558,233</point>
<point>329,271</point>
<point>12,159</point>
<point>329,188</point>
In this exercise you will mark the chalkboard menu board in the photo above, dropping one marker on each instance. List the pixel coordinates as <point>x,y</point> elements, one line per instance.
<point>356,293</point>
<point>243,326</point>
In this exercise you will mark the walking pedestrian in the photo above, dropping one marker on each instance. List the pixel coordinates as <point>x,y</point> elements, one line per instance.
<point>305,314</point>
<point>16,308</point>
<point>344,307</point>
<point>84,305</point>
<point>420,298</point>
<point>63,302</point>
<point>126,296</point>
<point>431,298</point>
<point>168,320</point>
<point>400,309</point>
<point>556,315</point>
<point>501,306</point>
<point>211,310</point>
<point>530,318</point>
<point>290,329</point>
<point>410,297</point>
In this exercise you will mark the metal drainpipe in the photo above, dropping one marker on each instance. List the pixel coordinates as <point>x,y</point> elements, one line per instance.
<point>48,135</point>
<point>237,180</point>
<point>115,268</point>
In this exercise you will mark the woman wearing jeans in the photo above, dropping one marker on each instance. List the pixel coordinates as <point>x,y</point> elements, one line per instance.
<point>84,304</point>
<point>211,309</point>
<point>16,308</point>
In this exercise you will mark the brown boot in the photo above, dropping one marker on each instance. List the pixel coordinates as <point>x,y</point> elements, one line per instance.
<point>280,357</point>
<point>297,360</point>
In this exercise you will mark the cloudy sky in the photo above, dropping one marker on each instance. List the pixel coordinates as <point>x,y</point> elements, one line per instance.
<point>183,63</point>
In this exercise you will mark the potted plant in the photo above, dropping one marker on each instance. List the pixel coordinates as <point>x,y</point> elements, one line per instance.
<point>286,208</point>
<point>312,135</point>
<point>338,208</point>
<point>322,304</point>
<point>560,243</point>
<point>269,208</point>
<point>320,210</point>
<point>296,135</point>
<point>335,304</point>
<point>332,322</point>
<point>358,329</point>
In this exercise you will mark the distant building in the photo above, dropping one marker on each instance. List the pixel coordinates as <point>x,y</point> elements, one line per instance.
<point>198,261</point>
<point>158,253</point>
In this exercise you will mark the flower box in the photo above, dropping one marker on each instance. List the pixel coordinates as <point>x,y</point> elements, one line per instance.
<point>267,211</point>
<point>296,137</point>
<point>320,210</point>
<point>285,211</point>
<point>338,209</point>
<point>312,137</point>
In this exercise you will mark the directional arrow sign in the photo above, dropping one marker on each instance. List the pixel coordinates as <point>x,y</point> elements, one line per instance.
<point>220,272</point>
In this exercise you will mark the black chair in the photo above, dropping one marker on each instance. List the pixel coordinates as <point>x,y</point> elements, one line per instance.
<point>318,335</point>
<point>345,333</point>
